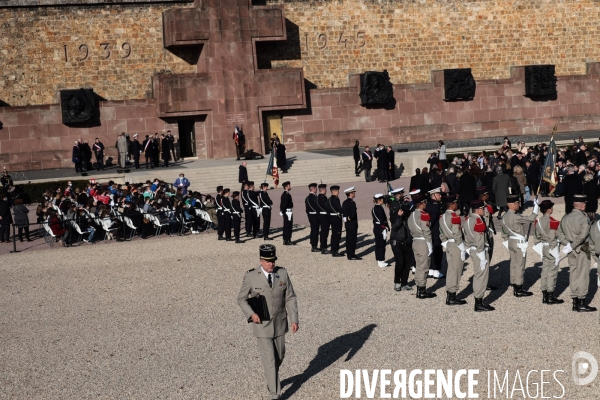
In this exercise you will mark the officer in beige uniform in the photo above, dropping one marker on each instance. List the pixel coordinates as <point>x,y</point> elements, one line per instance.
<point>477,242</point>
<point>545,237</point>
<point>418,224</point>
<point>513,232</point>
<point>573,234</point>
<point>275,285</point>
<point>452,242</point>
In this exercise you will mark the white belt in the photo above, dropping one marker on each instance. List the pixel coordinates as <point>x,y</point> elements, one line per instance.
<point>288,209</point>
<point>473,248</point>
<point>266,207</point>
<point>336,214</point>
<point>519,238</point>
<point>324,213</point>
<point>312,212</point>
<point>451,240</point>
<point>545,244</point>
<point>419,238</point>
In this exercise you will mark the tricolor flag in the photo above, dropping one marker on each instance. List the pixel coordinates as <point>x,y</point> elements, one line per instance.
<point>272,168</point>
<point>549,170</point>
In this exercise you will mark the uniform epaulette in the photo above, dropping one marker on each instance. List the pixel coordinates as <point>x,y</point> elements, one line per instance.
<point>425,217</point>
<point>554,223</point>
<point>455,219</point>
<point>479,226</point>
<point>250,270</point>
<point>490,209</point>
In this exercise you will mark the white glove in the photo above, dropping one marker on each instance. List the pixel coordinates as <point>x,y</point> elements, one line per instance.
<point>523,247</point>
<point>280,213</point>
<point>430,247</point>
<point>505,244</point>
<point>384,233</point>
<point>289,215</point>
<point>445,245</point>
<point>344,219</point>
<point>258,211</point>
<point>463,255</point>
<point>482,260</point>
<point>567,249</point>
<point>536,207</point>
<point>462,248</point>
<point>554,253</point>
<point>482,264</point>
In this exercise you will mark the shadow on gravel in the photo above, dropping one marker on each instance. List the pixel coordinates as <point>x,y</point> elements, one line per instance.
<point>327,354</point>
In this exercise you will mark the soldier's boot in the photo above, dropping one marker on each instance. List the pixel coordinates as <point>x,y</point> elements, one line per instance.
<point>422,293</point>
<point>580,306</point>
<point>481,306</point>
<point>451,300</point>
<point>553,300</point>
<point>519,292</point>
<point>544,297</point>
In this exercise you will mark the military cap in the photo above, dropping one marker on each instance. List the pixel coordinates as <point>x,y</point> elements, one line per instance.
<point>580,198</point>
<point>513,198</point>
<point>378,196</point>
<point>414,191</point>
<point>546,205</point>
<point>419,198</point>
<point>236,193</point>
<point>475,204</point>
<point>250,183</point>
<point>436,190</point>
<point>396,191</point>
<point>264,184</point>
<point>350,190</point>
<point>267,252</point>
<point>226,190</point>
<point>312,185</point>
<point>286,183</point>
<point>322,186</point>
<point>334,187</point>
<point>219,188</point>
<point>481,190</point>
<point>451,198</point>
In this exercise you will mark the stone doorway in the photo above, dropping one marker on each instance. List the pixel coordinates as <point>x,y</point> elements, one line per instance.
<point>274,127</point>
<point>187,137</point>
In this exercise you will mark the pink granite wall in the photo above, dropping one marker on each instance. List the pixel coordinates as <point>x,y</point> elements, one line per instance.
<point>34,137</point>
<point>499,109</point>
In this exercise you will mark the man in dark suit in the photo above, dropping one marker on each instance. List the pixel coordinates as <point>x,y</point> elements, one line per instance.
<point>572,185</point>
<point>86,155</point>
<point>382,163</point>
<point>99,153</point>
<point>76,157</point>
<point>391,171</point>
<point>415,180</point>
<point>166,151</point>
<point>243,175</point>
<point>149,151</point>
<point>136,150</point>
<point>356,153</point>
<point>367,159</point>
<point>281,158</point>
<point>5,220</point>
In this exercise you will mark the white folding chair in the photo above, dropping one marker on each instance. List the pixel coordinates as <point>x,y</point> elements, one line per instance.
<point>129,224</point>
<point>49,236</point>
<point>75,228</point>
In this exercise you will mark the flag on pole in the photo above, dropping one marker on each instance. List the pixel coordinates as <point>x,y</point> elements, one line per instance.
<point>272,168</point>
<point>549,170</point>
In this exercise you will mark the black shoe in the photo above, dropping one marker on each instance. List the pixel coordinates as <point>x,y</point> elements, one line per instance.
<point>422,293</point>
<point>481,306</point>
<point>544,297</point>
<point>221,238</point>
<point>519,292</point>
<point>238,241</point>
<point>229,240</point>
<point>491,287</point>
<point>550,299</point>
<point>325,251</point>
<point>451,300</point>
<point>267,238</point>
<point>315,250</point>
<point>579,306</point>
<point>354,258</point>
<point>259,235</point>
<point>336,254</point>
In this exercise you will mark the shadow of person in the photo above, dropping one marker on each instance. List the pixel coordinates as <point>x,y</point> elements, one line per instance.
<point>327,354</point>
<point>562,281</point>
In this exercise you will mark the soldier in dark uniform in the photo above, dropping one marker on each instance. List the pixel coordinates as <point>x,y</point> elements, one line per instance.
<point>312,212</point>
<point>434,209</point>
<point>396,203</point>
<point>255,210</point>
<point>247,210</point>
<point>221,225</point>
<point>380,228</point>
<point>323,218</point>
<point>266,204</point>
<point>136,150</point>
<point>236,216</point>
<point>227,211</point>
<point>351,222</point>
<point>335,220</point>
<point>285,210</point>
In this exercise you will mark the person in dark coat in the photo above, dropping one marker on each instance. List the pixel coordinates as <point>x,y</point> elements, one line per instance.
<point>424,181</point>
<point>356,153</point>
<point>21,218</point>
<point>572,185</point>
<point>281,158</point>
<point>5,220</point>
<point>148,149</point>
<point>452,181</point>
<point>382,164</point>
<point>243,175</point>
<point>136,150</point>
<point>99,153</point>
<point>501,186</point>
<point>367,162</point>
<point>467,186</point>
<point>172,144</point>
<point>532,172</point>
<point>76,157</point>
<point>86,155</point>
<point>156,149</point>
<point>590,189</point>
<point>391,171</point>
<point>415,180</point>
<point>166,150</point>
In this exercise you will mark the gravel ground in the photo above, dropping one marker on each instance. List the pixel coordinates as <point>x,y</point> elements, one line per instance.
<point>141,321</point>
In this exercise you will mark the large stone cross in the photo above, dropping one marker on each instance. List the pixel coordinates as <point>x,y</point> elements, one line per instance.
<point>227,86</point>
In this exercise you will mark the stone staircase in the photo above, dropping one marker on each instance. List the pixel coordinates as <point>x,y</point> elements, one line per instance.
<point>330,170</point>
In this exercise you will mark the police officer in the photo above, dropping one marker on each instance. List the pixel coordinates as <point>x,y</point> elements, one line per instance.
<point>285,210</point>
<point>312,207</point>
<point>255,210</point>
<point>266,204</point>
<point>545,233</point>
<point>323,218</point>
<point>452,241</point>
<point>335,220</point>
<point>574,231</point>
<point>221,227</point>
<point>396,203</point>
<point>434,209</point>
<point>273,284</point>
<point>513,232</point>
<point>380,228</point>
<point>351,223</point>
<point>418,223</point>
<point>476,241</point>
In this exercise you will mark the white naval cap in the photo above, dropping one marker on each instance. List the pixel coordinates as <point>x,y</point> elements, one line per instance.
<point>350,190</point>
<point>399,190</point>
<point>414,191</point>
<point>378,196</point>
<point>436,190</point>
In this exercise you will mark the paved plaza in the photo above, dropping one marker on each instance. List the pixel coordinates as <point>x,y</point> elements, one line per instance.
<point>150,320</point>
